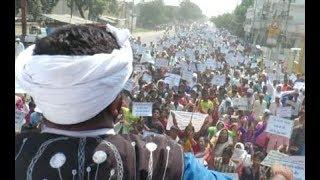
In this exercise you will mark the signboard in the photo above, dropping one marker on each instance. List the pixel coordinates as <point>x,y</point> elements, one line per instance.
<point>142,108</point>
<point>285,112</point>
<point>295,163</point>
<point>172,80</point>
<point>183,119</point>
<point>218,80</point>
<point>279,126</point>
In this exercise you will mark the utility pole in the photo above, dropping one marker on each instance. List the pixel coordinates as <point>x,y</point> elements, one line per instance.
<point>132,15</point>
<point>24,19</point>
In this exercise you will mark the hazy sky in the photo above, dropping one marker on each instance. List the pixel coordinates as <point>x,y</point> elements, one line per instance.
<point>216,7</point>
<point>210,7</point>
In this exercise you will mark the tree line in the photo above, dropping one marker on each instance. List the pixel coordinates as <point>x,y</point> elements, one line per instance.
<point>156,12</point>
<point>234,21</point>
<point>148,14</point>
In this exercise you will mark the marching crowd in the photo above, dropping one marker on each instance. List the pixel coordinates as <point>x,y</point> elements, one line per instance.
<point>227,85</point>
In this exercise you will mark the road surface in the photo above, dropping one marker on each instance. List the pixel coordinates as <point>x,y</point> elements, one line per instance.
<point>147,37</point>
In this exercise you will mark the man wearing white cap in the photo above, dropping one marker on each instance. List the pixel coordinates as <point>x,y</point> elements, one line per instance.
<point>275,106</point>
<point>75,76</point>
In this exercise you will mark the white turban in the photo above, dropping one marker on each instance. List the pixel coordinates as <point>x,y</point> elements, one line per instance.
<point>73,89</point>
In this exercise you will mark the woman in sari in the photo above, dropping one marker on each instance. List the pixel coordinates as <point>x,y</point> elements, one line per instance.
<point>246,130</point>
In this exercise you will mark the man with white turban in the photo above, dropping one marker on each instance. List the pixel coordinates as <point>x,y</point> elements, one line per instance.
<point>75,76</point>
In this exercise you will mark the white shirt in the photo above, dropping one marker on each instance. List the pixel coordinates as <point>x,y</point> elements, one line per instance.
<point>258,108</point>
<point>274,108</point>
<point>178,108</point>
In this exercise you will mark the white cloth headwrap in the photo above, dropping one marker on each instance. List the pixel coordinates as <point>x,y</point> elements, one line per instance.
<point>73,89</point>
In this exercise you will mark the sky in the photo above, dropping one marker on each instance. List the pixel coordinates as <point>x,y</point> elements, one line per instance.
<point>210,7</point>
<point>216,7</point>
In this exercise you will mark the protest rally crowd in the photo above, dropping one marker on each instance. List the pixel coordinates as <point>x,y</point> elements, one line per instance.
<point>236,112</point>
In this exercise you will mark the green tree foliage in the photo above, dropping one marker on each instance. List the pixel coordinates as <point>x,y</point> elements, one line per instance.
<point>81,5</point>
<point>152,13</point>
<point>155,13</point>
<point>95,7</point>
<point>234,21</point>
<point>189,11</point>
<point>35,9</point>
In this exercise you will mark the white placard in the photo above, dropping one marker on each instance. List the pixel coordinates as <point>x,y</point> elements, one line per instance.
<point>218,80</point>
<point>183,119</point>
<point>147,78</point>
<point>279,126</point>
<point>201,67</point>
<point>192,67</point>
<point>272,157</point>
<point>293,77</point>
<point>210,64</point>
<point>295,163</point>
<point>285,112</point>
<point>187,75</point>
<point>241,103</point>
<point>232,61</point>
<point>253,65</point>
<point>299,85</point>
<point>142,108</point>
<point>172,79</point>
<point>129,85</point>
<point>161,63</point>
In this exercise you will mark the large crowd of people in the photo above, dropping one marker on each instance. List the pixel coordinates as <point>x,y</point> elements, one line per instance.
<point>216,96</point>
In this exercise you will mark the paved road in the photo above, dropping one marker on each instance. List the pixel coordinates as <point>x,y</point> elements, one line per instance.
<point>147,37</point>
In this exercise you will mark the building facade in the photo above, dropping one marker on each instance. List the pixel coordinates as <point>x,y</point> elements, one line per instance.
<point>278,25</point>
